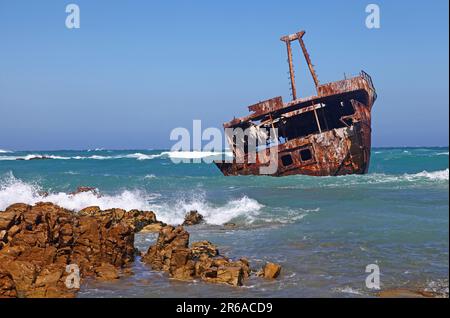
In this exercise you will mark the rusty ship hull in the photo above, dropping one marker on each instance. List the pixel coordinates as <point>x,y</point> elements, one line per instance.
<point>328,134</point>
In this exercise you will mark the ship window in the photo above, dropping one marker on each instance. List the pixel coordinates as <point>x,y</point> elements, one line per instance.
<point>305,154</point>
<point>286,160</point>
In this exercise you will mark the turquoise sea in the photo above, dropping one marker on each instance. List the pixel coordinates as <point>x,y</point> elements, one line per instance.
<point>324,231</point>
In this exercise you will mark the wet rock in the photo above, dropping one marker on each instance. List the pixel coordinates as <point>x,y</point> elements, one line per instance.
<point>204,247</point>
<point>39,241</point>
<point>232,275</point>
<point>90,210</point>
<point>107,272</point>
<point>172,254</point>
<point>170,238</point>
<point>229,225</point>
<point>134,218</point>
<point>270,271</point>
<point>8,287</point>
<point>405,293</point>
<point>40,158</point>
<point>152,228</point>
<point>85,189</point>
<point>192,218</point>
<point>35,158</point>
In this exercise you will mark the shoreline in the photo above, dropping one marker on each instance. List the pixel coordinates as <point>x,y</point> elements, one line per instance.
<point>39,243</point>
<point>21,227</point>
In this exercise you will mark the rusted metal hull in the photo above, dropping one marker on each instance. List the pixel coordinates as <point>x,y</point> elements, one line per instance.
<point>328,134</point>
<point>335,152</point>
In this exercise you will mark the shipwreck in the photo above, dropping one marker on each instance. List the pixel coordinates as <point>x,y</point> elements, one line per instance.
<point>327,134</point>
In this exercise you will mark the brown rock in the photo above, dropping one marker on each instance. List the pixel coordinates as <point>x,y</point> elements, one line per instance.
<point>134,218</point>
<point>90,210</point>
<point>170,238</point>
<point>270,271</point>
<point>171,254</point>
<point>245,265</point>
<point>107,272</point>
<point>152,228</point>
<point>7,220</point>
<point>8,287</point>
<point>85,189</point>
<point>50,275</point>
<point>404,293</point>
<point>192,218</point>
<point>39,241</point>
<point>231,275</point>
<point>204,247</point>
<point>229,225</point>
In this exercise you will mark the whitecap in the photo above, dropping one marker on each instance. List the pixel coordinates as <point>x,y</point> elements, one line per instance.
<point>348,290</point>
<point>194,154</point>
<point>14,190</point>
<point>33,156</point>
<point>439,175</point>
<point>244,207</point>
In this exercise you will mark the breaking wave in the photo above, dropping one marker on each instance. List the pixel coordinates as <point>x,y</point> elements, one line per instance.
<point>34,156</point>
<point>5,151</point>
<point>13,190</point>
<point>137,156</point>
<point>441,175</point>
<point>376,178</point>
<point>243,208</point>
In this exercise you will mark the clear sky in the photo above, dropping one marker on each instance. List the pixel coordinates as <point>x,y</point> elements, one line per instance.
<point>137,69</point>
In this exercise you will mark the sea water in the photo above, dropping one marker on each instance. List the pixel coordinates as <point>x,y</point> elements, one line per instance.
<point>324,231</point>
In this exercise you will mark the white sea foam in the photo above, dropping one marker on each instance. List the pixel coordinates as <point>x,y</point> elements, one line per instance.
<point>13,190</point>
<point>349,290</point>
<point>381,178</point>
<point>137,156</point>
<point>5,151</point>
<point>281,215</point>
<point>244,207</point>
<point>193,154</point>
<point>141,156</point>
<point>440,175</point>
<point>70,172</point>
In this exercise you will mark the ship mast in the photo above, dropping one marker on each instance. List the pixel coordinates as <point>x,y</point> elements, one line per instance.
<point>288,39</point>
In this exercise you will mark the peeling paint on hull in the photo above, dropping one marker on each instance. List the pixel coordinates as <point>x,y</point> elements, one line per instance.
<point>341,112</point>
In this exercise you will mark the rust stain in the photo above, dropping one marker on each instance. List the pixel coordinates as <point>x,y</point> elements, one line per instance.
<point>326,134</point>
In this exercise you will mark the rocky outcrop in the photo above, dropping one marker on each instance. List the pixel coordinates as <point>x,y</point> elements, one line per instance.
<point>135,218</point>
<point>172,254</point>
<point>35,158</point>
<point>204,247</point>
<point>86,189</point>
<point>152,228</point>
<point>192,218</point>
<point>406,293</point>
<point>39,243</point>
<point>270,271</point>
<point>44,247</point>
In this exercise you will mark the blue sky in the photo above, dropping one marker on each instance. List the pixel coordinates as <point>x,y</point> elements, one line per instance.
<point>137,69</point>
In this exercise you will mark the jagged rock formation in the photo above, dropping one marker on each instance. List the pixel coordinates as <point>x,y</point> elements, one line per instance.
<point>192,218</point>
<point>44,247</point>
<point>38,242</point>
<point>172,254</point>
